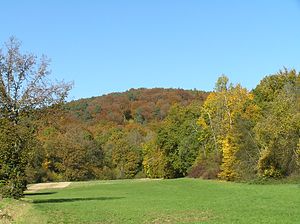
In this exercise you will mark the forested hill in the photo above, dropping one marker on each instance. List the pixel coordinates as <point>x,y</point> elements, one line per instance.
<point>230,134</point>
<point>106,137</point>
<point>135,105</point>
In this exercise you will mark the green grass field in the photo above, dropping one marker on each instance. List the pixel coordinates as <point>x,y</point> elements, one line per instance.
<point>161,201</point>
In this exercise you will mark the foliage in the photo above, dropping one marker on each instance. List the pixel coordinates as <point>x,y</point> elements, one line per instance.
<point>154,160</point>
<point>176,143</point>
<point>234,135</point>
<point>206,166</point>
<point>271,86</point>
<point>15,145</point>
<point>277,132</point>
<point>126,157</point>
<point>122,147</point>
<point>70,154</point>
<point>223,115</point>
<point>140,105</point>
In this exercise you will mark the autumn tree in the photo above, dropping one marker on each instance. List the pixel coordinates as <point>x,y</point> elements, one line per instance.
<point>154,160</point>
<point>220,124</point>
<point>24,87</point>
<point>71,153</point>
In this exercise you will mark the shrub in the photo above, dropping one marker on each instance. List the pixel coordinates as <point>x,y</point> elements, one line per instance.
<point>206,168</point>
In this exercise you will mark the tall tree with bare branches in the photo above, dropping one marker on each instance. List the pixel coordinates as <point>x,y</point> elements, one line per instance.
<point>24,87</point>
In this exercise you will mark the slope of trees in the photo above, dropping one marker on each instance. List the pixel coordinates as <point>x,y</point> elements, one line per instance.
<point>231,133</point>
<point>115,147</point>
<point>135,105</point>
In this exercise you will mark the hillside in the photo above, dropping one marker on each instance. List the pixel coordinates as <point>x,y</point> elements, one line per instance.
<point>105,135</point>
<point>138,105</point>
<point>171,133</point>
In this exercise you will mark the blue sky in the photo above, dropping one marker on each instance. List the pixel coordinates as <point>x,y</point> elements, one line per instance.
<point>109,46</point>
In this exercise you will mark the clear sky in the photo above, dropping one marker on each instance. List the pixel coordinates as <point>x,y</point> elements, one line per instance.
<point>108,46</point>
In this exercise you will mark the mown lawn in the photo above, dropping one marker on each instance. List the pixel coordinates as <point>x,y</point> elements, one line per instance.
<point>164,201</point>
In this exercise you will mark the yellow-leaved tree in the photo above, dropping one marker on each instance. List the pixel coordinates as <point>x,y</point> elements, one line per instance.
<point>223,115</point>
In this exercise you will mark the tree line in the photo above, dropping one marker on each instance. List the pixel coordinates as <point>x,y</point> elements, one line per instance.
<point>230,133</point>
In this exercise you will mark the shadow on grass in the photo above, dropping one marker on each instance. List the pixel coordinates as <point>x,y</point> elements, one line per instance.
<point>39,193</point>
<point>63,200</point>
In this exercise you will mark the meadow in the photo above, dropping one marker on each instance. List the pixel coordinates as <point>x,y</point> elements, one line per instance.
<point>158,201</point>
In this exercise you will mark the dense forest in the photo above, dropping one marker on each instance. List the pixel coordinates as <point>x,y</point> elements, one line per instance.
<point>107,137</point>
<point>230,133</point>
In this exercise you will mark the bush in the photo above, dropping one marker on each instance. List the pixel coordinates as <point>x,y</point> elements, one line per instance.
<point>140,175</point>
<point>107,174</point>
<point>206,168</point>
<point>13,188</point>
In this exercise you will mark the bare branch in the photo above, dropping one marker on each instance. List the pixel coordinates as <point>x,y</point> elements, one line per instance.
<point>24,83</point>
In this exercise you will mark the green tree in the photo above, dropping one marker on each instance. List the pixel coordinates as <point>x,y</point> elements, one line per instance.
<point>126,157</point>
<point>271,86</point>
<point>176,142</point>
<point>15,145</point>
<point>123,150</point>
<point>277,132</point>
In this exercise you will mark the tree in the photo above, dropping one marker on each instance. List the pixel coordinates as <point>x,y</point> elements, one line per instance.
<point>24,87</point>
<point>277,132</point>
<point>271,86</point>
<point>126,154</point>
<point>154,160</point>
<point>176,144</point>
<point>71,154</point>
<point>223,116</point>
<point>122,149</point>
<point>15,143</point>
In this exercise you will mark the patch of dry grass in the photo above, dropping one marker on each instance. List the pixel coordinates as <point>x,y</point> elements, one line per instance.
<point>18,211</point>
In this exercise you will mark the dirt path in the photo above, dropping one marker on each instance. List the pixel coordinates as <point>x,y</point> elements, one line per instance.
<point>42,186</point>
